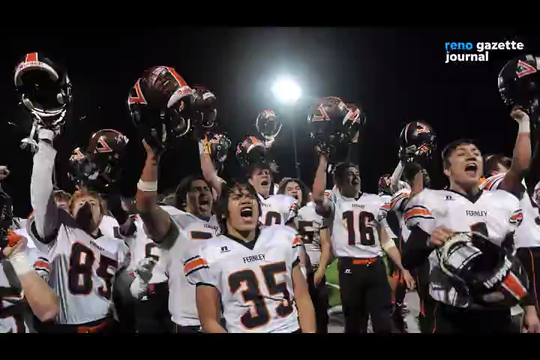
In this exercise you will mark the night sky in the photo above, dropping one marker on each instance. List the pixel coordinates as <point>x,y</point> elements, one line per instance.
<point>396,74</point>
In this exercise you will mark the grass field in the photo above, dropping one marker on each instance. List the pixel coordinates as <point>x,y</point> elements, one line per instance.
<point>333,282</point>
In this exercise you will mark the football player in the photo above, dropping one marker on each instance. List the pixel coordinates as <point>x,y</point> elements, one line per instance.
<point>255,273</point>
<point>443,218</point>
<point>394,275</point>
<point>23,276</point>
<point>175,231</point>
<point>527,237</point>
<point>316,238</point>
<point>84,262</point>
<point>358,240</point>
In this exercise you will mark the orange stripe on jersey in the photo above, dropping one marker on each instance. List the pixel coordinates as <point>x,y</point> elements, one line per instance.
<point>397,198</point>
<point>415,211</point>
<point>512,284</point>
<point>31,57</point>
<point>491,181</point>
<point>42,264</point>
<point>297,241</point>
<point>194,264</point>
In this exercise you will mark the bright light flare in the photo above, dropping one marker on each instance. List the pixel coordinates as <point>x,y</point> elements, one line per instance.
<point>286,91</point>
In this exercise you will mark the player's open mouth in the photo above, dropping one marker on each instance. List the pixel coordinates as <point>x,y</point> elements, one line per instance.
<point>246,213</point>
<point>265,182</point>
<point>355,182</point>
<point>471,169</point>
<point>204,202</point>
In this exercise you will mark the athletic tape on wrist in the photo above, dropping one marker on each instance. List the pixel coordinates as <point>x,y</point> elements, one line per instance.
<point>525,126</point>
<point>21,264</point>
<point>390,244</point>
<point>147,186</point>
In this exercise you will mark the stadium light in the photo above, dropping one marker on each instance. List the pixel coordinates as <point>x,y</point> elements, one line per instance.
<point>286,91</point>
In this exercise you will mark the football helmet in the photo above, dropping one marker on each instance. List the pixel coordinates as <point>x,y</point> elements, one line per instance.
<point>251,151</point>
<point>518,82</point>
<point>43,88</point>
<point>99,166</point>
<point>159,104</point>
<point>384,184</point>
<point>268,126</point>
<point>417,142</point>
<point>6,217</point>
<point>217,146</point>
<point>333,126</point>
<point>204,108</point>
<point>491,275</point>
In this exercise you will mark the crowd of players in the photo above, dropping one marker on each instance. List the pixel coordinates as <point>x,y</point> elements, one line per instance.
<point>250,255</point>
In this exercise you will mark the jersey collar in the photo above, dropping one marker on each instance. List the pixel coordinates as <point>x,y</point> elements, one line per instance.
<point>472,198</point>
<point>250,245</point>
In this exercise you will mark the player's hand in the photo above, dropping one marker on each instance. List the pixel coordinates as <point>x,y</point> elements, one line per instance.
<point>409,280</point>
<point>4,172</point>
<point>518,114</point>
<point>531,323</point>
<point>439,236</point>
<point>16,244</point>
<point>145,268</point>
<point>152,152</point>
<point>319,274</point>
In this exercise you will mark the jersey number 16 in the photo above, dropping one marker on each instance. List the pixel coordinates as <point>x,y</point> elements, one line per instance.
<point>367,232</point>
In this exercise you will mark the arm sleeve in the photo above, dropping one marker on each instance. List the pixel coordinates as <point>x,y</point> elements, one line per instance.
<point>40,263</point>
<point>395,178</point>
<point>419,213</point>
<point>399,200</point>
<point>45,222</point>
<point>197,269</point>
<point>124,256</point>
<point>415,250</point>
<point>291,209</point>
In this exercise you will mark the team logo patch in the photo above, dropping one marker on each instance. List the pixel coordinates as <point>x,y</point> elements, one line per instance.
<point>524,69</point>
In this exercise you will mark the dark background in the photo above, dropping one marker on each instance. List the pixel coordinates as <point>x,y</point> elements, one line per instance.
<point>397,75</point>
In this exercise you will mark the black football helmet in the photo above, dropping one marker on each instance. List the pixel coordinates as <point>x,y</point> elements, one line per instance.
<point>251,151</point>
<point>98,167</point>
<point>217,146</point>
<point>268,126</point>
<point>519,84</point>
<point>159,104</point>
<point>334,125</point>
<point>43,88</point>
<point>417,142</point>
<point>490,274</point>
<point>204,108</point>
<point>6,217</point>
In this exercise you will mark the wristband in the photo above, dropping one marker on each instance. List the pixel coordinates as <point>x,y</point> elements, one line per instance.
<point>138,288</point>
<point>390,244</point>
<point>147,186</point>
<point>46,134</point>
<point>21,264</point>
<point>525,125</point>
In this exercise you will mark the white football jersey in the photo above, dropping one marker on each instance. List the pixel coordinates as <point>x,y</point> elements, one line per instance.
<point>495,212</point>
<point>309,225</point>
<point>109,227</point>
<point>182,304</point>
<point>82,270</point>
<point>354,225</point>
<point>141,247</point>
<point>15,314</point>
<point>387,199</point>
<point>254,279</point>
<point>397,204</point>
<point>276,209</point>
<point>528,233</point>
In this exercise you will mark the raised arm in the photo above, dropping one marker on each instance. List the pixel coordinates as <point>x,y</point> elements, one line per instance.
<point>42,299</point>
<point>323,206</point>
<point>396,176</point>
<point>522,154</point>
<point>158,223</point>
<point>45,222</point>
